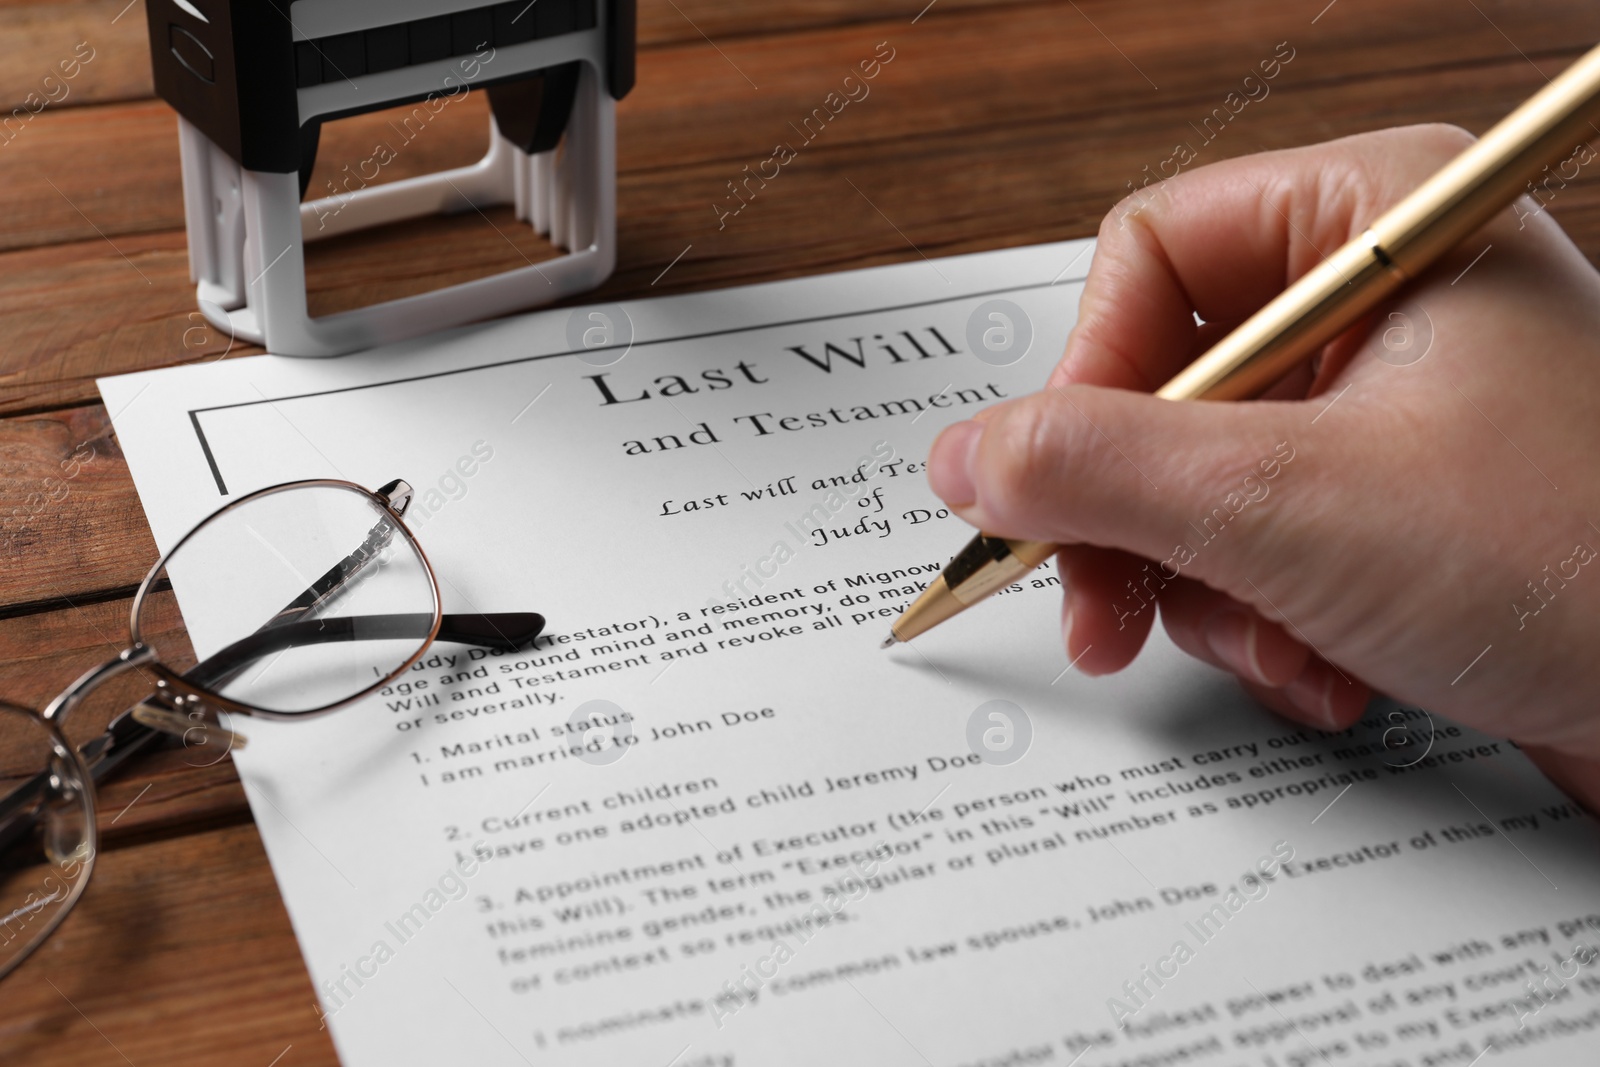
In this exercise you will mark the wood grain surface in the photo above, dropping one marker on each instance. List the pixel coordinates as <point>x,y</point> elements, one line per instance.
<point>996,123</point>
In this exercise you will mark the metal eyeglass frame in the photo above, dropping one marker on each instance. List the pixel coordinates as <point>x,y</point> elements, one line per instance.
<point>181,703</point>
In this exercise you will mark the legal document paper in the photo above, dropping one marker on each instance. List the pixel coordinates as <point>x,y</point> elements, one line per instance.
<point>706,821</point>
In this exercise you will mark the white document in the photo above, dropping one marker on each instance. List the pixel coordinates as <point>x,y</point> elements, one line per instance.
<point>710,822</point>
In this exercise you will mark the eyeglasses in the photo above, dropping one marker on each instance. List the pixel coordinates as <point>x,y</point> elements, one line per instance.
<point>297,624</point>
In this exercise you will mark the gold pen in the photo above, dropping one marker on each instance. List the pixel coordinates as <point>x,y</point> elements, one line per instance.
<point>1400,245</point>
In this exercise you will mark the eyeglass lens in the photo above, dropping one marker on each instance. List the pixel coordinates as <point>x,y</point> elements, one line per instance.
<point>298,599</point>
<point>44,861</point>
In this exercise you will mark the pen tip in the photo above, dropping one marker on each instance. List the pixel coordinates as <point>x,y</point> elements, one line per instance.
<point>890,641</point>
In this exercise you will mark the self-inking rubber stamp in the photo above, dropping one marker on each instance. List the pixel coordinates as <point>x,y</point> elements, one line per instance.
<point>253,81</point>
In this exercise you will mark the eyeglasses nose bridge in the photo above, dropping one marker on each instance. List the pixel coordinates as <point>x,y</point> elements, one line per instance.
<point>135,655</point>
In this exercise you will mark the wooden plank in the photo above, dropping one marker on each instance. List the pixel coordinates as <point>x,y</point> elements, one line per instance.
<point>1027,65</point>
<point>169,792</point>
<point>69,500</point>
<point>382,264</point>
<point>70,313</point>
<point>1000,187</point>
<point>63,55</point>
<point>92,172</point>
<point>724,20</point>
<point>179,954</point>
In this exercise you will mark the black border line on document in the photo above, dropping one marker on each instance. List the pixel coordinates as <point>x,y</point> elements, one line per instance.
<point>222,488</point>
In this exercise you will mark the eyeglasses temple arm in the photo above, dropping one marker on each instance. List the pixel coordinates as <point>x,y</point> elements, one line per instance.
<point>338,577</point>
<point>396,496</point>
<point>509,632</point>
<point>504,632</point>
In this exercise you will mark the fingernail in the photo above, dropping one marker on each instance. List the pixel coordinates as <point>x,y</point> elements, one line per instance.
<point>1232,636</point>
<point>950,466</point>
<point>1312,693</point>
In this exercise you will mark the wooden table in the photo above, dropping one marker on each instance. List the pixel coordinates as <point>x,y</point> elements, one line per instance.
<point>998,122</point>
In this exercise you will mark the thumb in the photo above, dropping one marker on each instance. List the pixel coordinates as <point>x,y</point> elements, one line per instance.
<point>1243,498</point>
<point>1208,490</point>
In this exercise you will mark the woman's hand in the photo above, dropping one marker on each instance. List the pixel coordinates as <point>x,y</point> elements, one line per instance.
<point>1417,511</point>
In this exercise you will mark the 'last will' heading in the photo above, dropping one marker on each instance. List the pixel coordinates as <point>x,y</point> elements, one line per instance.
<point>904,347</point>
